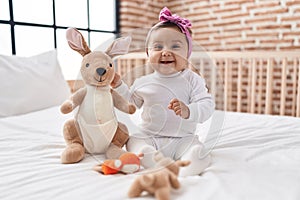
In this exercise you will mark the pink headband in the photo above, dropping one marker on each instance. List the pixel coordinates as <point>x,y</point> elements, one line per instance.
<point>165,15</point>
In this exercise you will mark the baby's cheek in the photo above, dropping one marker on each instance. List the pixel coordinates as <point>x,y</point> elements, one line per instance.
<point>181,64</point>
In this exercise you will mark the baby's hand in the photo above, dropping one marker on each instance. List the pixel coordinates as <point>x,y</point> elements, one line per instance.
<point>116,82</point>
<point>179,108</point>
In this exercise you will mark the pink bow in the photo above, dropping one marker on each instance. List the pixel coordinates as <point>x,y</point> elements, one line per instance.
<point>165,15</point>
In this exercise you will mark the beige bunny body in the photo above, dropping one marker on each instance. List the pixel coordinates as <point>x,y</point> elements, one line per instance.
<point>95,128</point>
<point>98,129</point>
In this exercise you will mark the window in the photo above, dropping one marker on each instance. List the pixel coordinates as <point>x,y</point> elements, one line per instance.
<point>29,27</point>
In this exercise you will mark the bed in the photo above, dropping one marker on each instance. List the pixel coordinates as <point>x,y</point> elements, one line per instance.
<point>255,156</point>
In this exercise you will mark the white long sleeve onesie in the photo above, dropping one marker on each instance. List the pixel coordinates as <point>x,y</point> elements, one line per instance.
<point>153,92</point>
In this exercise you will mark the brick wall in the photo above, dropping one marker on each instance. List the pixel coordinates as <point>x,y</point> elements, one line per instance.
<point>239,25</point>
<point>233,25</point>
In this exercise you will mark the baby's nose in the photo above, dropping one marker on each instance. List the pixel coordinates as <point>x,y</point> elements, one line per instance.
<point>166,53</point>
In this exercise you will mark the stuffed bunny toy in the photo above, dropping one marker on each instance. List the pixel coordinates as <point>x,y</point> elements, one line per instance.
<point>95,128</point>
<point>160,180</point>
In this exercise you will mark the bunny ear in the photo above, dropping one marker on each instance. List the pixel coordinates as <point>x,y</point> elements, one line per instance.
<point>77,42</point>
<point>119,47</point>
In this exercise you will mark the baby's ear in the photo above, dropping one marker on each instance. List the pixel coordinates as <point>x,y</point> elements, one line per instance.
<point>119,47</point>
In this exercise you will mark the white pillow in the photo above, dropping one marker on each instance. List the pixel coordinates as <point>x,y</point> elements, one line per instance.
<point>31,83</point>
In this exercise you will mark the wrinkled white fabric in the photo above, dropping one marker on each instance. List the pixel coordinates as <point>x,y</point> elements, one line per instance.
<point>253,157</point>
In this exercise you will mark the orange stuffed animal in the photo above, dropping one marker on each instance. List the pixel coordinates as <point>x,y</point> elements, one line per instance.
<point>127,163</point>
<point>160,180</point>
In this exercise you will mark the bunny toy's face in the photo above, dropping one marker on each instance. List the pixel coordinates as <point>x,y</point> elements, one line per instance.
<point>97,69</point>
<point>97,66</point>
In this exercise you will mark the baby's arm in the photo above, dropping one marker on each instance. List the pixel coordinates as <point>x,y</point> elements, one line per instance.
<point>201,105</point>
<point>128,94</point>
<point>179,108</point>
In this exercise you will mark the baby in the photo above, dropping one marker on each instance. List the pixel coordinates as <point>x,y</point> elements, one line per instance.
<point>174,99</point>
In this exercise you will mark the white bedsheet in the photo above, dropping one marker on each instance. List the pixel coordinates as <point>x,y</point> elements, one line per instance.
<point>254,157</point>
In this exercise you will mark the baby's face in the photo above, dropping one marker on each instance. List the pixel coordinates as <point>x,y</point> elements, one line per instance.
<point>167,50</point>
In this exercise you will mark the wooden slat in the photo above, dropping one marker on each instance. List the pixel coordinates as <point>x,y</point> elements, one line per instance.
<point>230,81</point>
<point>226,85</point>
<point>221,85</point>
<point>283,86</point>
<point>294,89</point>
<point>269,87</point>
<point>201,67</point>
<point>239,86</point>
<point>129,74</point>
<point>119,66</point>
<point>213,85</point>
<point>298,92</point>
<point>260,87</point>
<point>249,84</point>
<point>138,69</point>
<point>253,86</point>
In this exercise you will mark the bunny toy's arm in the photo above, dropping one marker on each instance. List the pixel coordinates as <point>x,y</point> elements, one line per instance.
<point>121,104</point>
<point>75,100</point>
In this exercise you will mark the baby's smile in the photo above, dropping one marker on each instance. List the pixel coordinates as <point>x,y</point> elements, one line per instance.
<point>166,61</point>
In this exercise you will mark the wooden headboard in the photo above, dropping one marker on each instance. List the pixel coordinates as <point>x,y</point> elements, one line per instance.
<point>254,82</point>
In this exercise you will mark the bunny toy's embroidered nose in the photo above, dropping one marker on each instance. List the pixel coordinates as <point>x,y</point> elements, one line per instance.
<point>100,71</point>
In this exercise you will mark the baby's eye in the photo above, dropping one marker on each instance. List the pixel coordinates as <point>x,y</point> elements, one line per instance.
<point>175,46</point>
<point>157,47</point>
<point>110,64</point>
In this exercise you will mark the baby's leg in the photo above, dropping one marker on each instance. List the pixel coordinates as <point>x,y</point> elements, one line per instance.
<point>143,145</point>
<point>200,160</point>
